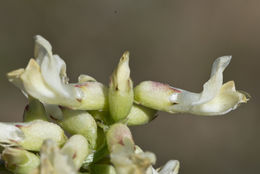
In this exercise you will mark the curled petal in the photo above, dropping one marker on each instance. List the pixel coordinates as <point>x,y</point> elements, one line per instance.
<point>228,99</point>
<point>215,99</point>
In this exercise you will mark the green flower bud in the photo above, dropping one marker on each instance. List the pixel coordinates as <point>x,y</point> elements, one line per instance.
<point>102,168</point>
<point>36,132</point>
<point>116,134</point>
<point>20,161</point>
<point>140,115</point>
<point>34,111</point>
<point>121,90</point>
<point>80,122</point>
<point>154,95</point>
<point>77,149</point>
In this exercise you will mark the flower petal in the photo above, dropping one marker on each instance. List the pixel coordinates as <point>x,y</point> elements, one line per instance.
<point>53,161</point>
<point>210,88</point>
<point>227,100</point>
<point>171,167</point>
<point>10,135</point>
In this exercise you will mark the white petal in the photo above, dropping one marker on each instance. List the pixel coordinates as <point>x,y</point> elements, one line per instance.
<point>34,83</point>
<point>215,99</point>
<point>15,78</point>
<point>213,85</point>
<point>53,69</point>
<point>53,161</point>
<point>210,88</point>
<point>227,100</point>
<point>10,134</point>
<point>171,167</point>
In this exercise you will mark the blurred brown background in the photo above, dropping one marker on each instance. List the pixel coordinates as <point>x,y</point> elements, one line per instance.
<point>173,41</point>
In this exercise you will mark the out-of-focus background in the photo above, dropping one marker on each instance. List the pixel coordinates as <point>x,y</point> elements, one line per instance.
<point>172,41</point>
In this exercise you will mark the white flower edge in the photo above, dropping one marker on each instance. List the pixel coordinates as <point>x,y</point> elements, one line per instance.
<point>171,167</point>
<point>126,160</point>
<point>215,99</point>
<point>45,78</point>
<point>10,135</point>
<point>53,161</point>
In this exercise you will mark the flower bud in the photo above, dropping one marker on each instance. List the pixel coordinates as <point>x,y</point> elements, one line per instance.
<point>34,111</point>
<point>102,168</point>
<point>36,132</point>
<point>116,134</point>
<point>80,122</point>
<point>140,115</point>
<point>20,161</point>
<point>77,149</point>
<point>155,95</point>
<point>121,90</point>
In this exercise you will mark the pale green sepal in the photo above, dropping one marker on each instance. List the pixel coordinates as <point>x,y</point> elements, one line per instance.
<point>34,111</point>
<point>154,95</point>
<point>94,96</point>
<point>37,131</point>
<point>20,161</point>
<point>77,149</point>
<point>140,115</point>
<point>80,122</point>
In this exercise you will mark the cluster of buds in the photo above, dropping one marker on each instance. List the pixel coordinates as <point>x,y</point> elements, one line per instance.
<point>73,128</point>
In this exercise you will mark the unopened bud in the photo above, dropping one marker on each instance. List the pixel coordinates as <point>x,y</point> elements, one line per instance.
<point>116,134</point>
<point>140,115</point>
<point>80,122</point>
<point>77,149</point>
<point>155,95</point>
<point>102,168</point>
<point>34,111</point>
<point>121,90</point>
<point>20,161</point>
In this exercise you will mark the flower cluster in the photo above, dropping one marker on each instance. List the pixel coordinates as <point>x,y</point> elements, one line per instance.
<point>72,128</point>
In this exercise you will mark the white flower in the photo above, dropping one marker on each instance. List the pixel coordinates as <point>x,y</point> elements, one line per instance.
<point>45,79</point>
<point>215,99</point>
<point>53,161</point>
<point>127,161</point>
